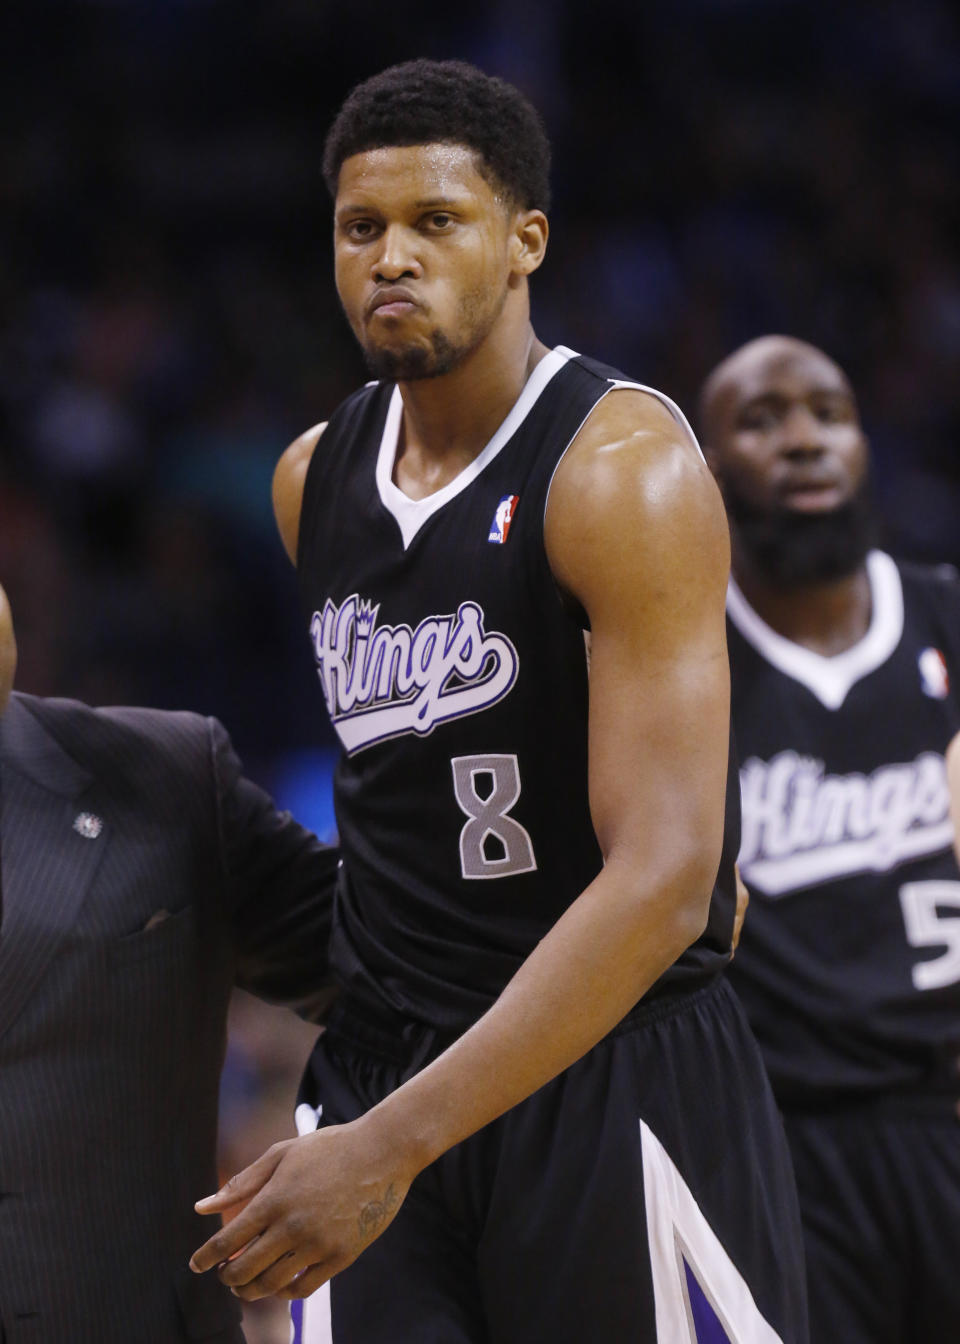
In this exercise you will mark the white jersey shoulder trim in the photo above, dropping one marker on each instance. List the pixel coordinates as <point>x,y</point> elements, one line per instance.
<point>411,514</point>
<point>831,679</point>
<point>616,383</point>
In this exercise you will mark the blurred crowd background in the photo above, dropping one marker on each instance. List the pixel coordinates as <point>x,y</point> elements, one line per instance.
<point>168,322</point>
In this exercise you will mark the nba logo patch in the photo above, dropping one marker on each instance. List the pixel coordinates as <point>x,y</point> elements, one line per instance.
<point>502,519</point>
<point>934,677</point>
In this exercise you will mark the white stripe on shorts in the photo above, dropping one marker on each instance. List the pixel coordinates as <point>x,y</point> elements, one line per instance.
<point>677,1231</point>
<point>310,1321</point>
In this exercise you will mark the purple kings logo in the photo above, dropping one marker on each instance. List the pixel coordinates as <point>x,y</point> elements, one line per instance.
<point>383,681</point>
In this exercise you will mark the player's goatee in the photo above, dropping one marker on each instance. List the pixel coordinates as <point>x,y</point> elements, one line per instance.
<point>413,362</point>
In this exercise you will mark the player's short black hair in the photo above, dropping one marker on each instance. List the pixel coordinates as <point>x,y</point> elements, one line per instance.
<point>447,102</point>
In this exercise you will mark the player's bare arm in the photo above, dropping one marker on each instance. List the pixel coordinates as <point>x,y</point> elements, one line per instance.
<point>8,651</point>
<point>953,783</point>
<point>743,900</point>
<point>288,481</point>
<point>635,532</point>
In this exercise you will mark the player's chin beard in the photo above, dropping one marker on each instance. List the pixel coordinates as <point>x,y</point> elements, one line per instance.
<point>408,363</point>
<point>792,549</point>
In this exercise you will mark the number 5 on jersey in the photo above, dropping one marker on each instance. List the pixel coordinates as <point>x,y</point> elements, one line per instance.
<point>492,843</point>
<point>927,924</point>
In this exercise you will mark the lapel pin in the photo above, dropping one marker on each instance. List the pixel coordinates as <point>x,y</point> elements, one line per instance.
<point>87,825</point>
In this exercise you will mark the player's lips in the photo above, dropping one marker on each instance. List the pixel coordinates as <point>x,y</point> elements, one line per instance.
<point>394,301</point>
<point>811,494</point>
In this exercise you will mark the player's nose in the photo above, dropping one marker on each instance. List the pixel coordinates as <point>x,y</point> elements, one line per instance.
<point>801,434</point>
<point>397,256</point>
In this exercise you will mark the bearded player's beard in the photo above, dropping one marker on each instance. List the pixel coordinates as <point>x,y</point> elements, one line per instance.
<point>791,549</point>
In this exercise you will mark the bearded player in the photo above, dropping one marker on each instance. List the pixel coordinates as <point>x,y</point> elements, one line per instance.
<point>846,692</point>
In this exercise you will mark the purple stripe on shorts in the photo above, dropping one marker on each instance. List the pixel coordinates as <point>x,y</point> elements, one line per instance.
<point>706,1322</point>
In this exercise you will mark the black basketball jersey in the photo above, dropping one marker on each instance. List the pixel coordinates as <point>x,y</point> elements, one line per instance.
<point>456,678</point>
<point>849,963</point>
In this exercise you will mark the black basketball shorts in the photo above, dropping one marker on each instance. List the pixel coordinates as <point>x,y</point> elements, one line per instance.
<point>879,1194</point>
<point>644,1195</point>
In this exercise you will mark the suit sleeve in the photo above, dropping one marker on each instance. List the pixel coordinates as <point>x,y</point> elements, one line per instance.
<point>278,884</point>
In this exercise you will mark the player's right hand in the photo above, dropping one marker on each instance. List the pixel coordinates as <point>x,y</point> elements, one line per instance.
<point>312,1205</point>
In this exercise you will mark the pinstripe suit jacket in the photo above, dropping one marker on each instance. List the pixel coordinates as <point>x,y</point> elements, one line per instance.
<point>112,1035</point>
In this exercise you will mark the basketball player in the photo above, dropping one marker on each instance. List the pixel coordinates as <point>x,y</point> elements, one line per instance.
<point>535,1040</point>
<point>846,690</point>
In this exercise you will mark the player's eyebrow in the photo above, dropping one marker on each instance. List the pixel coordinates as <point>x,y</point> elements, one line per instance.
<point>361,205</point>
<point>353,209</point>
<point>767,398</point>
<point>834,393</point>
<point>425,203</point>
<point>435,202</point>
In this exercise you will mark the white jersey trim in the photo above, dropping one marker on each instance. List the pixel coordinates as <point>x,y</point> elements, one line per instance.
<point>411,514</point>
<point>830,679</point>
<point>616,383</point>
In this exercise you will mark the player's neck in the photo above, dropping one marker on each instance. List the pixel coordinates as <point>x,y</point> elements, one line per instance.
<point>827,617</point>
<point>448,421</point>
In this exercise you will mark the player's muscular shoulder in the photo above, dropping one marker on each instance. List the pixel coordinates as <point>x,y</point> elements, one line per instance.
<point>633,510</point>
<point>288,480</point>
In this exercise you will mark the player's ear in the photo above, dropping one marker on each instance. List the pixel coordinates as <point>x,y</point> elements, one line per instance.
<point>528,241</point>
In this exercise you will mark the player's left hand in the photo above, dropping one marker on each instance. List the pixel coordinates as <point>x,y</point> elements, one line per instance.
<point>312,1205</point>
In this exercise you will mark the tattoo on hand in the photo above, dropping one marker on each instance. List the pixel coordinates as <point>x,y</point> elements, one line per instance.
<point>375,1214</point>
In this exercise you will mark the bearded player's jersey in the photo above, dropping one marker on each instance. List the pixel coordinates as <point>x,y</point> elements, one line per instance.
<point>849,963</point>
<point>455,675</point>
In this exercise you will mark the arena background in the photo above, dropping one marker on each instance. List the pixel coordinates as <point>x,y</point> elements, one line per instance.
<point>168,321</point>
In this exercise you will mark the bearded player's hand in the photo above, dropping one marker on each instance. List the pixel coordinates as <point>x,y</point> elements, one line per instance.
<point>309,1206</point>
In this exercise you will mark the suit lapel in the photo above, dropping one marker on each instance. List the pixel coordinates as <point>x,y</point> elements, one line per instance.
<point>47,864</point>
